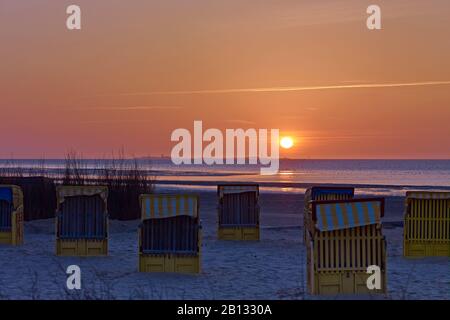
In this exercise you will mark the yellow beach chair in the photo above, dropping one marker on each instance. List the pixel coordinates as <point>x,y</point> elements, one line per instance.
<point>323,193</point>
<point>427,224</point>
<point>169,235</point>
<point>81,221</point>
<point>345,238</point>
<point>11,215</point>
<point>238,212</point>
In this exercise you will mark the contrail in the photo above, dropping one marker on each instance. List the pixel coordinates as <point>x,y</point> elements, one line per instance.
<point>131,108</point>
<point>138,108</point>
<point>293,89</point>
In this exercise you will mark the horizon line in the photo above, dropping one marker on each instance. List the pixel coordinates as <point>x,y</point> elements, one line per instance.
<point>280,158</point>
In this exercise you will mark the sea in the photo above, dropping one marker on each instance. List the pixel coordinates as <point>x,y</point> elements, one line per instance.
<point>378,177</point>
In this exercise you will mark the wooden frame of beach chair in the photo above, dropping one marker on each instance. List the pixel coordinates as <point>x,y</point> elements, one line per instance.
<point>322,193</point>
<point>238,212</point>
<point>426,224</point>
<point>344,239</point>
<point>81,221</point>
<point>11,215</point>
<point>169,233</point>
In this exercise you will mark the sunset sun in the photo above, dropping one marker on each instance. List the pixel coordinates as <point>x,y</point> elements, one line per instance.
<point>286,142</point>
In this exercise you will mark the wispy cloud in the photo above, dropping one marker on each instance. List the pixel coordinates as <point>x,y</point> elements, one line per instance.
<point>106,121</point>
<point>294,89</point>
<point>243,122</point>
<point>138,108</point>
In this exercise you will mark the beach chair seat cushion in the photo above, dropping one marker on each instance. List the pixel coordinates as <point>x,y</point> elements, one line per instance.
<point>82,217</point>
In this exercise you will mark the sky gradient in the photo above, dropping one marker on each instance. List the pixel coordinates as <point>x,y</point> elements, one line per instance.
<point>140,69</point>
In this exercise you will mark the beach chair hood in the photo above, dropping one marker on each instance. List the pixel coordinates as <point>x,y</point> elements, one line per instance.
<point>343,214</point>
<point>427,195</point>
<point>315,192</point>
<point>238,188</point>
<point>159,206</point>
<point>62,192</point>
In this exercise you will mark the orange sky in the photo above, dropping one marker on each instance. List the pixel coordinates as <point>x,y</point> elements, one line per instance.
<point>140,69</point>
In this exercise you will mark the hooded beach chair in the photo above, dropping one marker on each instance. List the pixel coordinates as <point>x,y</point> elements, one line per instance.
<point>427,224</point>
<point>238,212</point>
<point>169,234</point>
<point>81,221</point>
<point>11,215</point>
<point>323,193</point>
<point>344,238</point>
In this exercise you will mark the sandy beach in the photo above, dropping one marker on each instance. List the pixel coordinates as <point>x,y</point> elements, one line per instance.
<point>273,268</point>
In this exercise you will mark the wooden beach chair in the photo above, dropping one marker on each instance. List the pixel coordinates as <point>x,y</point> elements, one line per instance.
<point>427,224</point>
<point>238,212</point>
<point>344,238</point>
<point>323,193</point>
<point>81,221</point>
<point>169,234</point>
<point>11,215</point>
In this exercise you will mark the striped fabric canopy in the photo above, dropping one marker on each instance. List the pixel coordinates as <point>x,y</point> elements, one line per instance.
<point>347,214</point>
<point>428,195</point>
<point>156,206</point>
<point>229,189</point>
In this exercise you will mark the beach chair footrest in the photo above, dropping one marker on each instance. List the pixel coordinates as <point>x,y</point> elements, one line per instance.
<point>169,263</point>
<point>239,233</point>
<point>5,237</point>
<point>345,282</point>
<point>81,247</point>
<point>424,248</point>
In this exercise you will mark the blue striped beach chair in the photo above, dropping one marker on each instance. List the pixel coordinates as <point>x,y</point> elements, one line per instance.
<point>345,240</point>
<point>169,233</point>
<point>11,215</point>
<point>81,221</point>
<point>323,193</point>
<point>238,212</point>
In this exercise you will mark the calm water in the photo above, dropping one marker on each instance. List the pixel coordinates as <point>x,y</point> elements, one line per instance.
<point>293,174</point>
